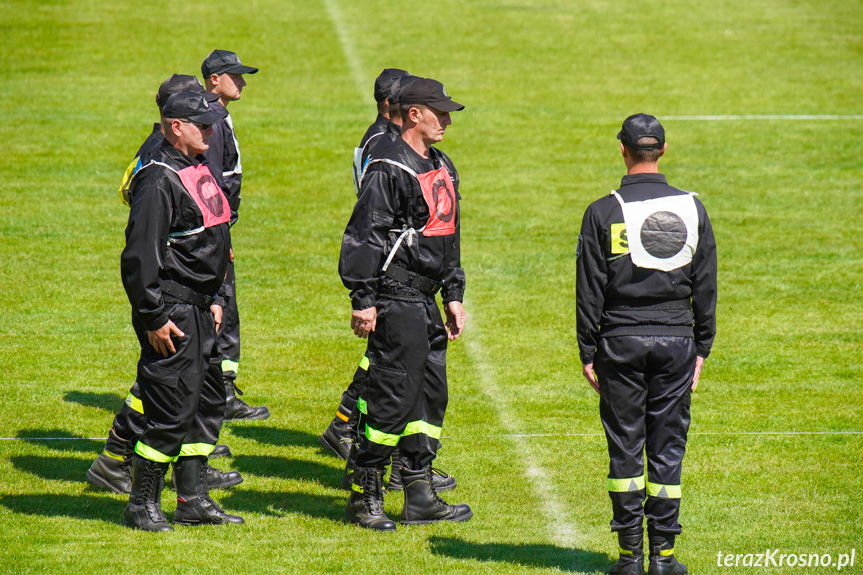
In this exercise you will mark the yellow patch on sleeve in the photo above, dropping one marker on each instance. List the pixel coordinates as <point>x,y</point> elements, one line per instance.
<point>619,242</point>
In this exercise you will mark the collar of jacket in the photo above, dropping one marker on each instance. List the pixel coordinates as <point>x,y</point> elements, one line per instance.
<point>643,179</point>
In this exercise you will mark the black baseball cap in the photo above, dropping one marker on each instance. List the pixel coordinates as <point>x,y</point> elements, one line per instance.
<point>189,105</point>
<point>429,92</point>
<point>384,82</point>
<point>224,62</point>
<point>640,126</point>
<point>178,83</point>
<point>396,88</point>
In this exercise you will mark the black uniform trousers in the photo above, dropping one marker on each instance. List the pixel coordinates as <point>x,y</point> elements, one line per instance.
<point>182,394</point>
<point>406,394</point>
<point>644,404</point>
<point>229,332</point>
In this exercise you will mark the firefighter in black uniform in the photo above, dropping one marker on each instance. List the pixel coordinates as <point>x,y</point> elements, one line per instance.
<point>342,430</point>
<point>223,75</point>
<point>173,266</point>
<point>646,304</point>
<point>400,247</point>
<point>113,468</point>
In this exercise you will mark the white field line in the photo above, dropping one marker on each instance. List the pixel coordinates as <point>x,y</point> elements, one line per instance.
<point>562,530</point>
<point>521,435</point>
<point>780,117</point>
<point>347,45</point>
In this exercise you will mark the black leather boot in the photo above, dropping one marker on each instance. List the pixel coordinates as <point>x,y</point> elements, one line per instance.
<point>216,478</point>
<point>113,468</point>
<point>366,503</point>
<point>236,408</point>
<point>631,543</point>
<point>342,430</point>
<point>662,560</point>
<point>442,481</point>
<point>220,451</point>
<point>144,510</point>
<point>194,505</point>
<point>422,503</point>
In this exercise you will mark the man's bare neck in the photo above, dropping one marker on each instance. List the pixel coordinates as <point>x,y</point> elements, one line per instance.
<point>417,144</point>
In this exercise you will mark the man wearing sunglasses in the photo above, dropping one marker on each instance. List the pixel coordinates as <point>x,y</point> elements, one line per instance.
<point>173,269</point>
<point>223,75</point>
<point>112,469</point>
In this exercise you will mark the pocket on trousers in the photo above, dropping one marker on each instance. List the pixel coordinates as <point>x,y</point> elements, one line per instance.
<point>385,393</point>
<point>159,392</point>
<point>156,374</point>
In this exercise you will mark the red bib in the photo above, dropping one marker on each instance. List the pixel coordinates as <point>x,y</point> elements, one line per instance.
<point>439,194</point>
<point>207,194</point>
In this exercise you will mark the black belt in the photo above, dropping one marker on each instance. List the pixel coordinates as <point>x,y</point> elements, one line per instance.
<point>642,304</point>
<point>414,280</point>
<point>185,294</point>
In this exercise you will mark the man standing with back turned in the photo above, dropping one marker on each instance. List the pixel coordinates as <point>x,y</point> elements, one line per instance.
<point>401,246</point>
<point>646,304</point>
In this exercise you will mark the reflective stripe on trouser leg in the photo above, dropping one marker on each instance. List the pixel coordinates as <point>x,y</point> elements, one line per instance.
<point>129,423</point>
<point>406,383</point>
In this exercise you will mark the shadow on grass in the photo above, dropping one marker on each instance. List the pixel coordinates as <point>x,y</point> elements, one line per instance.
<point>275,435</point>
<point>65,440</point>
<point>281,503</point>
<point>529,555</point>
<point>110,402</point>
<point>54,468</point>
<point>74,506</point>
<point>284,468</point>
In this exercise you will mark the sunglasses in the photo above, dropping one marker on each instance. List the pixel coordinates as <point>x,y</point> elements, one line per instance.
<point>198,124</point>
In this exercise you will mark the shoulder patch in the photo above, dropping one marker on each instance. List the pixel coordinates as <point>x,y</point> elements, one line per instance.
<point>578,248</point>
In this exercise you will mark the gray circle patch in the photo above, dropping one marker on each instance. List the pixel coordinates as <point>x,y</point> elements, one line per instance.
<point>663,234</point>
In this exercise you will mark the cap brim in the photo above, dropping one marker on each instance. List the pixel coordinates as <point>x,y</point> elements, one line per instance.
<point>210,117</point>
<point>239,69</point>
<point>446,106</point>
<point>211,96</point>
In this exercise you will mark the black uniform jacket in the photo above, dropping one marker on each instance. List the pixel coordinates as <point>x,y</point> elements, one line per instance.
<point>380,125</point>
<point>222,158</point>
<point>162,206</point>
<point>615,297</point>
<point>152,143</point>
<point>374,140</point>
<point>391,199</point>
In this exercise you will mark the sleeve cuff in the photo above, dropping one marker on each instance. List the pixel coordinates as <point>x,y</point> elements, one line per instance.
<point>363,302</point>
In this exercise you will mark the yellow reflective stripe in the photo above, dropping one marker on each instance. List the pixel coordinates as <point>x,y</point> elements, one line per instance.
<point>363,406</point>
<point>113,455</point>
<point>341,416</point>
<point>364,363</point>
<point>666,552</point>
<point>380,437</point>
<point>148,452</point>
<point>626,552</point>
<point>415,427</point>
<point>663,491</point>
<point>357,488</point>
<point>627,484</point>
<point>135,403</point>
<point>190,449</point>
<point>228,365</point>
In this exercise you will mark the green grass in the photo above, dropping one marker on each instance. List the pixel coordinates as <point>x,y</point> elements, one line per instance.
<point>546,85</point>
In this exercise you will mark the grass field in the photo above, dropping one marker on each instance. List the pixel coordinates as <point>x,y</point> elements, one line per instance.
<point>775,454</point>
